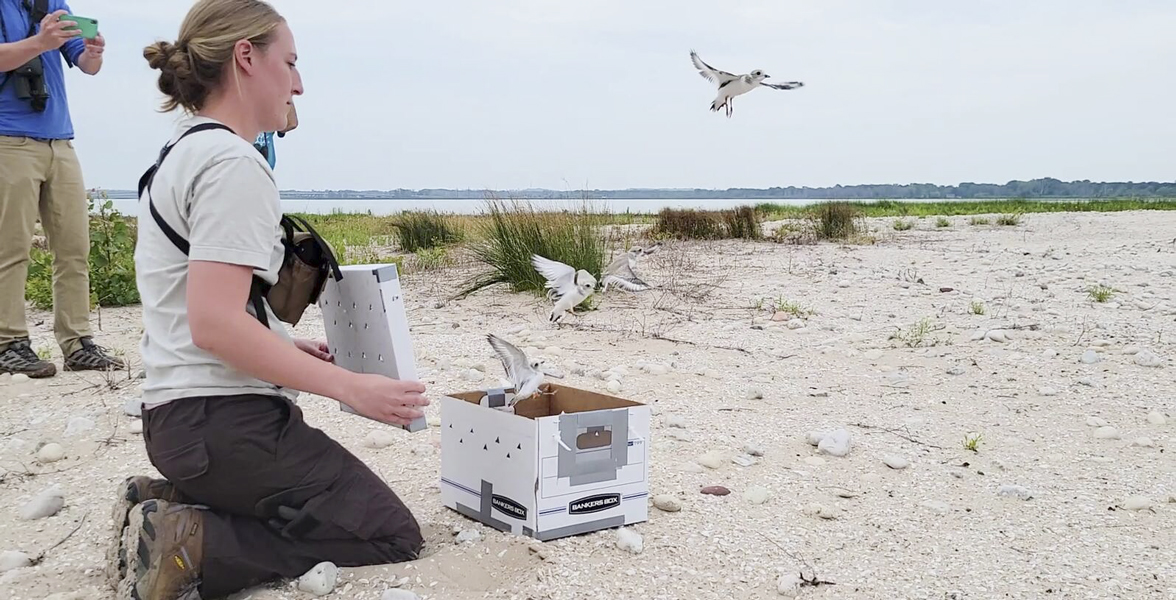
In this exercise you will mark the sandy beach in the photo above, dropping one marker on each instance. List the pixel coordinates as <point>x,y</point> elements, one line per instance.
<point>1068,491</point>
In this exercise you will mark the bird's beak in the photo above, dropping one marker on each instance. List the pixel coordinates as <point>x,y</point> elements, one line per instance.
<point>766,76</point>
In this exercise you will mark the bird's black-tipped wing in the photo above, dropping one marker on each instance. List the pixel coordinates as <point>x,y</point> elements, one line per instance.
<point>710,73</point>
<point>787,85</point>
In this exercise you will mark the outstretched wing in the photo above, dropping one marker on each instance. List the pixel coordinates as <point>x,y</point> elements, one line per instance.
<point>787,85</point>
<point>710,73</point>
<point>630,285</point>
<point>558,275</point>
<point>513,359</point>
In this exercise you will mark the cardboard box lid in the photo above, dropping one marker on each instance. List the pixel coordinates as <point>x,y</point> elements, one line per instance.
<point>555,399</point>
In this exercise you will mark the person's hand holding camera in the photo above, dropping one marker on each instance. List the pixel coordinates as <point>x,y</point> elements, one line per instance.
<point>383,398</point>
<point>94,47</point>
<point>53,32</point>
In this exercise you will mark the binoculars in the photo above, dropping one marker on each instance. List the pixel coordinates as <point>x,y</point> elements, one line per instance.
<point>30,83</point>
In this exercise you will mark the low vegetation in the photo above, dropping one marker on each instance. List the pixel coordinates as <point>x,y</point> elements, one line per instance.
<point>735,223</point>
<point>425,230</point>
<point>513,232</point>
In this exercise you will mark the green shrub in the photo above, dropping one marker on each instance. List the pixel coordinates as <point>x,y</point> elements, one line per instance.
<point>425,230</point>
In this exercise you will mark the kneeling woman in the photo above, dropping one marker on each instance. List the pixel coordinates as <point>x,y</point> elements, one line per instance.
<point>252,493</point>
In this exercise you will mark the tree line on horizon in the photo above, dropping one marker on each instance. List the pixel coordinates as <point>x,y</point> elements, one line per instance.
<point>1046,187</point>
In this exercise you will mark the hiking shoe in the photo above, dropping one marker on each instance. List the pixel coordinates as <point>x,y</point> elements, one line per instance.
<point>165,546</point>
<point>19,357</point>
<point>132,491</point>
<point>92,357</point>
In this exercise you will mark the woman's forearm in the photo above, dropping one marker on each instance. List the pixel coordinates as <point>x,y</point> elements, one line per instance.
<point>15,54</point>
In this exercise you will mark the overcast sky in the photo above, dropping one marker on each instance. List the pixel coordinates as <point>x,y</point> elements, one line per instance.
<point>511,94</point>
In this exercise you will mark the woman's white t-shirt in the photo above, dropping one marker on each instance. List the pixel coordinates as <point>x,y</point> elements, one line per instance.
<point>216,191</point>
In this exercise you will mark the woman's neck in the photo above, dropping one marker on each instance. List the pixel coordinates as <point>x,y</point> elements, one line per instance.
<point>231,114</point>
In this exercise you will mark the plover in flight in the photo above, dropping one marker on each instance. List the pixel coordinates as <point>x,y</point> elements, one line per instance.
<point>620,273</point>
<point>565,285</point>
<point>525,374</point>
<point>731,85</point>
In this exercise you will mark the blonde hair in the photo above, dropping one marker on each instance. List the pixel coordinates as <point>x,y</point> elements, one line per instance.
<point>193,66</point>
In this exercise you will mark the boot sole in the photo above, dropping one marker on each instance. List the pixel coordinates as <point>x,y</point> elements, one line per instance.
<point>116,555</point>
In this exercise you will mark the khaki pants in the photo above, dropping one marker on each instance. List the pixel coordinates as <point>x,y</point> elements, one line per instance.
<point>44,178</point>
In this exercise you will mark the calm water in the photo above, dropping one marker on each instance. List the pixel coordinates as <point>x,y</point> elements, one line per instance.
<point>389,206</point>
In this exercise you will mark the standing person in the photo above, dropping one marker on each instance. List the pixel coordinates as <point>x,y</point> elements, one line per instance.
<point>40,175</point>
<point>265,140</point>
<point>251,491</point>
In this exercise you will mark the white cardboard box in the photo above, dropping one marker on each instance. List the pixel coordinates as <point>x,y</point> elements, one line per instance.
<point>567,462</point>
<point>366,325</point>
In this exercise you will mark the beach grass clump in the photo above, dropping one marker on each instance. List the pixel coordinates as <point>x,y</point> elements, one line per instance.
<point>943,222</point>
<point>979,221</point>
<point>425,230</point>
<point>512,232</point>
<point>836,220</point>
<point>903,225</point>
<point>742,222</point>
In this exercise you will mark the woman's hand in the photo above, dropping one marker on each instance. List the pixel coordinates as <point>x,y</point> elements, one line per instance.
<point>384,399</point>
<point>315,348</point>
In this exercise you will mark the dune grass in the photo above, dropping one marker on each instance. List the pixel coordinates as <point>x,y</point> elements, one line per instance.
<point>742,222</point>
<point>836,220</point>
<point>425,230</point>
<point>514,231</point>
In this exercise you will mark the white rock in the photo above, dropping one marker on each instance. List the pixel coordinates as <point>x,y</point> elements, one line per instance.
<point>936,506</point>
<point>379,438</point>
<point>796,324</point>
<point>691,467</point>
<point>395,594</point>
<point>1144,442</point>
<point>136,426</point>
<point>1087,381</point>
<point>629,540</point>
<point>658,369</point>
<point>814,461</point>
<point>19,378</point>
<point>1090,357</point>
<point>1106,433</point>
<point>45,504</point>
<point>682,435</point>
<point>1156,417</point>
<point>469,535</point>
<point>676,421</point>
<point>1015,491</point>
<point>814,437</point>
<point>1131,350</point>
<point>836,443</point>
<point>711,460</point>
<point>757,494</point>
<point>1096,422</point>
<point>788,585</point>
<point>820,511</point>
<point>998,335</point>
<point>753,449</point>
<point>613,386</point>
<point>474,375</point>
<point>78,425</point>
<point>1137,503</point>
<point>51,452</point>
<point>320,579</point>
<point>11,559</point>
<point>755,394</point>
<point>1048,391</point>
<point>1050,353</point>
<point>667,503</point>
<point>896,462</point>
<point>743,460</point>
<point>1147,358</point>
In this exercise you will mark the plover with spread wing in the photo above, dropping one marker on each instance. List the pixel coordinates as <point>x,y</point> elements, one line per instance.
<point>731,85</point>
<point>525,374</point>
<point>620,273</point>
<point>568,287</point>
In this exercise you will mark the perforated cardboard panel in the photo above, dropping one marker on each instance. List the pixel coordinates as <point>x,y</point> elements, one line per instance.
<point>366,325</point>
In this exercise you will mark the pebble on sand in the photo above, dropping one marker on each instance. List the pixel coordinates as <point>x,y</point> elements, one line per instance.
<point>1015,491</point>
<point>1137,503</point>
<point>379,438</point>
<point>12,559</point>
<point>1147,358</point>
<point>136,426</point>
<point>78,425</point>
<point>629,540</point>
<point>1157,418</point>
<point>1106,433</point>
<point>896,462</point>
<point>50,453</point>
<point>667,503</point>
<point>715,490</point>
<point>788,585</point>
<point>395,594</point>
<point>469,535</point>
<point>1090,357</point>
<point>836,443</point>
<point>320,579</point>
<point>45,504</point>
<point>757,494</point>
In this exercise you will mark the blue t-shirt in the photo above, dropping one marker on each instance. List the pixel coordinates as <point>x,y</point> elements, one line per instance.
<point>17,117</point>
<point>265,145</point>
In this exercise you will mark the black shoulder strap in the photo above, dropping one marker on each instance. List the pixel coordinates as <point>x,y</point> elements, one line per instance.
<point>149,176</point>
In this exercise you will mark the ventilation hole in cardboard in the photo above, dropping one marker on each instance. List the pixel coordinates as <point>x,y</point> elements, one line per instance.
<point>508,455</point>
<point>365,325</point>
<point>363,355</point>
<point>484,447</point>
<point>520,447</point>
<point>496,441</point>
<point>381,358</point>
<point>369,307</point>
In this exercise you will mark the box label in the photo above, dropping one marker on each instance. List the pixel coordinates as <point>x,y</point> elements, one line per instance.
<point>509,507</point>
<point>593,504</point>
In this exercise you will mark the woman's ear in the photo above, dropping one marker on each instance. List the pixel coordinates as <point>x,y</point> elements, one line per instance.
<point>243,54</point>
